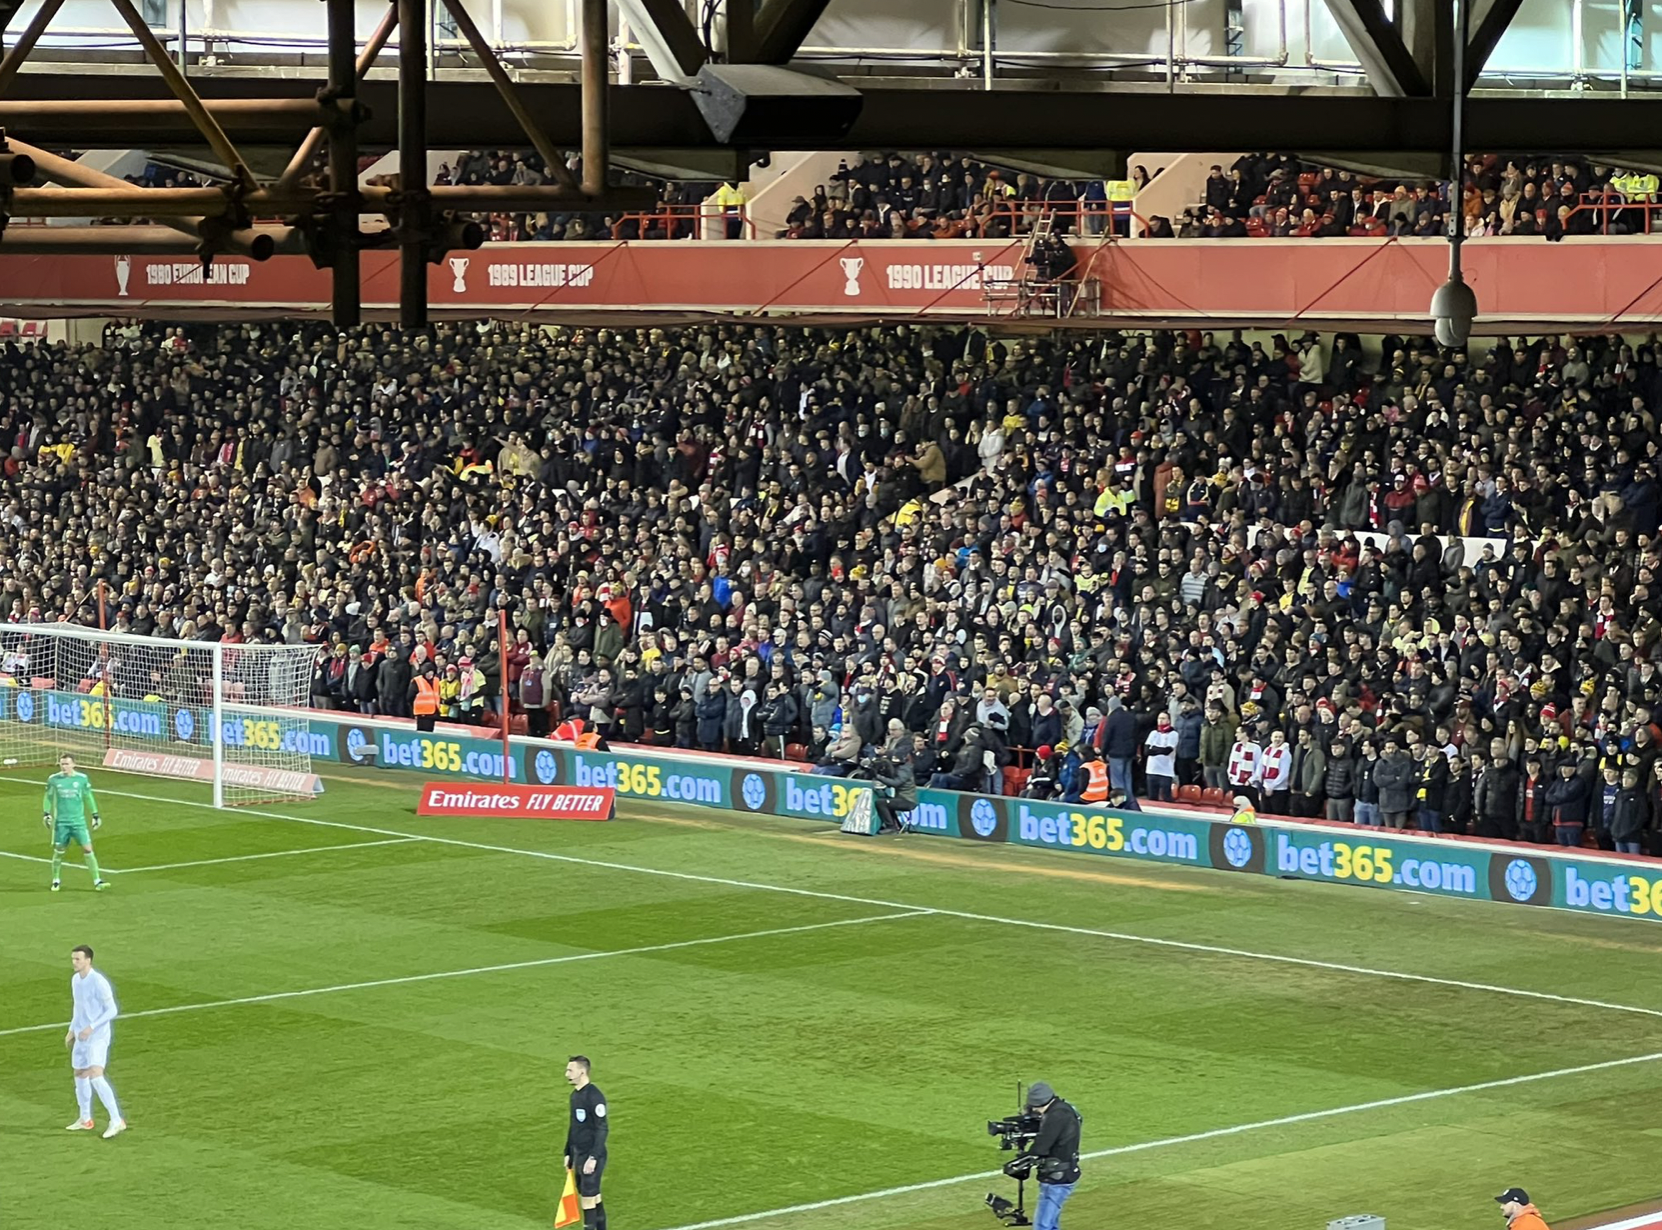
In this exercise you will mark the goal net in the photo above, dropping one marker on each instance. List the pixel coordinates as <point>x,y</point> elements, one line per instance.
<point>233,716</point>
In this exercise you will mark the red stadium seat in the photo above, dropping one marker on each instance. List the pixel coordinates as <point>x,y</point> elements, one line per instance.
<point>1188,794</point>
<point>518,725</point>
<point>1015,780</point>
<point>795,751</point>
<point>1212,794</point>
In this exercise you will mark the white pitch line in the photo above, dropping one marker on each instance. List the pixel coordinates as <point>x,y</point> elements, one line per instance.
<point>245,858</point>
<point>485,969</point>
<point>1194,1137</point>
<point>1121,936</point>
<point>1124,937</point>
<point>214,862</point>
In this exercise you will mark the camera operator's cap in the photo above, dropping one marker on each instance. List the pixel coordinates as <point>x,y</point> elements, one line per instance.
<point>1040,1094</point>
<point>1513,1195</point>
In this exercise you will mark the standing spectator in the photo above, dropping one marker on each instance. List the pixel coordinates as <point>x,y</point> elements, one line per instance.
<point>1161,768</point>
<point>1217,737</point>
<point>1567,804</point>
<point>1495,799</point>
<point>1367,787</point>
<point>1275,774</point>
<point>1393,777</point>
<point>1339,783</point>
<point>1430,787</point>
<point>1309,776</point>
<point>1629,815</point>
<point>1188,724</point>
<point>1119,744</point>
<point>1533,818</point>
<point>1245,756</point>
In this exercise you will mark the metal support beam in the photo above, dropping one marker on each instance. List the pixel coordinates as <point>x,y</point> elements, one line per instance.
<point>246,241</point>
<point>415,205</point>
<point>596,128</point>
<point>26,41</point>
<point>131,240</point>
<point>1390,67</point>
<point>314,139</point>
<point>343,164</point>
<point>666,34</point>
<point>740,27</point>
<point>784,27</point>
<point>488,60</point>
<point>180,88</point>
<point>1490,26</point>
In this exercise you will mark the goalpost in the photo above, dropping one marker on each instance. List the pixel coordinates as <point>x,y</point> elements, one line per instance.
<point>230,715</point>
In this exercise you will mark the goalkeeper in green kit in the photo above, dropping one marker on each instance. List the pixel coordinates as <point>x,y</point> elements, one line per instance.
<point>66,806</point>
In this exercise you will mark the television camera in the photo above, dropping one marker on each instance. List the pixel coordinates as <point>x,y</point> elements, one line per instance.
<point>1015,1133</point>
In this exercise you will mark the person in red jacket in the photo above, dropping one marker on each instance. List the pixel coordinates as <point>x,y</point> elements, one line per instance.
<point>1519,1212</point>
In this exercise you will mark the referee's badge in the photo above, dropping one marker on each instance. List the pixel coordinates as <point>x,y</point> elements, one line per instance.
<point>600,1111</point>
<point>581,1114</point>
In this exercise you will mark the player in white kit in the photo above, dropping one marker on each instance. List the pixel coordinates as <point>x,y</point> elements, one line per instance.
<point>88,1041</point>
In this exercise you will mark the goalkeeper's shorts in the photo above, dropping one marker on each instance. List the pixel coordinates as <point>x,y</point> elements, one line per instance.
<point>67,832</point>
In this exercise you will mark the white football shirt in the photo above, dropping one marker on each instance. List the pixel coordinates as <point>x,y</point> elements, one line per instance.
<point>94,1003</point>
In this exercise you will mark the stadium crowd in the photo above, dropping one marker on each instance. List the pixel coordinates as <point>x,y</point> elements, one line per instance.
<point>1551,196</point>
<point>1421,590</point>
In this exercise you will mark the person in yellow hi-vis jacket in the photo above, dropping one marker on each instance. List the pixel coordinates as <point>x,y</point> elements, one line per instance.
<point>1245,812</point>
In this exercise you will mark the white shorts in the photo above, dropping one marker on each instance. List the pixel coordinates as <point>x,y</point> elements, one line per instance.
<point>93,1053</point>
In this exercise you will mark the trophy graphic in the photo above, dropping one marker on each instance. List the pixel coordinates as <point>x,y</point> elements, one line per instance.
<point>123,271</point>
<point>851,273</point>
<point>458,266</point>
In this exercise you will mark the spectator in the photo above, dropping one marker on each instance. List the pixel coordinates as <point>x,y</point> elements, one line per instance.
<point>1394,779</point>
<point>1161,770</point>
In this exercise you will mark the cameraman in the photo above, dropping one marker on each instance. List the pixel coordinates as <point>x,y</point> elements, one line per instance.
<point>897,790</point>
<point>1056,1149</point>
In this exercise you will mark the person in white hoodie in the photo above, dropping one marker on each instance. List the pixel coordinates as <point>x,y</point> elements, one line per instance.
<point>1275,774</point>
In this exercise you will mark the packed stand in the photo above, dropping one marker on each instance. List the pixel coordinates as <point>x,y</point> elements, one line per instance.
<point>941,196</point>
<point>1423,592</point>
<point>1550,196</point>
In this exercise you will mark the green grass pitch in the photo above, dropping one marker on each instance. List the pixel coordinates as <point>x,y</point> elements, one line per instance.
<point>758,1057</point>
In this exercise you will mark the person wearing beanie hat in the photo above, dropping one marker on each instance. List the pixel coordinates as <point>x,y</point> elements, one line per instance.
<point>1055,1152</point>
<point>1042,781</point>
<point>1520,1214</point>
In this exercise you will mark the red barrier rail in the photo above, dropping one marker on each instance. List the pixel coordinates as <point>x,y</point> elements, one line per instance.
<point>687,222</point>
<point>1609,203</point>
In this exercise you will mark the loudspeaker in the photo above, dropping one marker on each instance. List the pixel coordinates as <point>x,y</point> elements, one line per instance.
<point>765,107</point>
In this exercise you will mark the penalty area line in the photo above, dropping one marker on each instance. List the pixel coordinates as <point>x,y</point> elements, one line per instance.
<point>643,950</point>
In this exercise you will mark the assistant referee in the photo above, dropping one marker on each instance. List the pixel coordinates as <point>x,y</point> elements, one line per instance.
<point>586,1140</point>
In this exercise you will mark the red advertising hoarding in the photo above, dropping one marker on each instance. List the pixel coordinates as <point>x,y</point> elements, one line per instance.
<point>517,802</point>
<point>1588,283</point>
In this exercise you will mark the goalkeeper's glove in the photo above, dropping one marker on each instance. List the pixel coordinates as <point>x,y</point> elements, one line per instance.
<point>46,819</point>
<point>97,820</point>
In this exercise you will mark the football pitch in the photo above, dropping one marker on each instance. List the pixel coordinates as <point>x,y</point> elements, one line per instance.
<point>338,1014</point>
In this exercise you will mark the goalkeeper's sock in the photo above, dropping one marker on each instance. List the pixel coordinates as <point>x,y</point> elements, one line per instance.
<point>57,864</point>
<point>92,866</point>
<point>83,1097</point>
<point>106,1095</point>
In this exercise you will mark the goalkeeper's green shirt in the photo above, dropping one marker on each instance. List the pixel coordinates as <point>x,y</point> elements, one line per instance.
<point>69,798</point>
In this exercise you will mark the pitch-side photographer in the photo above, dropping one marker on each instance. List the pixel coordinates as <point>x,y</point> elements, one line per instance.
<point>896,793</point>
<point>1056,1150</point>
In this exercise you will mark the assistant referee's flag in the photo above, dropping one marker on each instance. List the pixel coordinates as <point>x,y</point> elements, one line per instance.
<point>569,1212</point>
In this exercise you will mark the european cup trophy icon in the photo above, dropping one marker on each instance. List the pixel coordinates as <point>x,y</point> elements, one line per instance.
<point>458,267</point>
<point>851,274</point>
<point>123,272</point>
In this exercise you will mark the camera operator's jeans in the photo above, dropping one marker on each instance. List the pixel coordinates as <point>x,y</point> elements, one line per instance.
<point>1052,1196</point>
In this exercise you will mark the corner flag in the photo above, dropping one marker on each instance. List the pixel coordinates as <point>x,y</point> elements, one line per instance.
<point>569,1211</point>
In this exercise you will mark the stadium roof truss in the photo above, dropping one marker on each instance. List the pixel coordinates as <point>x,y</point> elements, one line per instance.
<point>246,119</point>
